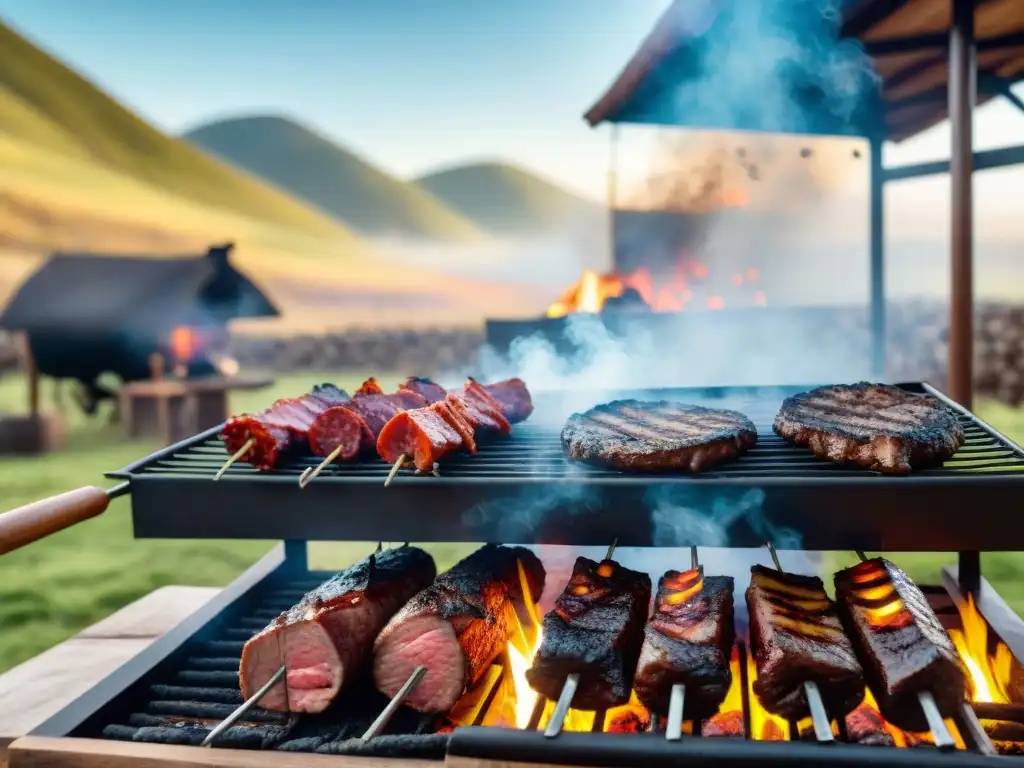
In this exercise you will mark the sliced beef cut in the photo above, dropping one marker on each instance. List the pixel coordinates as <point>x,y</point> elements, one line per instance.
<point>657,436</point>
<point>456,626</point>
<point>425,388</point>
<point>595,631</point>
<point>874,426</point>
<point>328,635</point>
<point>514,398</point>
<point>795,637</point>
<point>900,642</point>
<point>688,641</point>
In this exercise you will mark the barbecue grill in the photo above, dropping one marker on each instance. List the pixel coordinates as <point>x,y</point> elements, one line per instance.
<point>519,490</point>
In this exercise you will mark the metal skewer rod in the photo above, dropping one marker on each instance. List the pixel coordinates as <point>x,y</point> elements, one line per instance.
<point>819,717</point>
<point>307,476</point>
<point>862,556</point>
<point>775,556</point>
<point>943,738</point>
<point>554,726</point>
<point>398,700</point>
<point>611,548</point>
<point>237,455</point>
<point>694,562</point>
<point>674,726</point>
<point>394,470</point>
<point>970,726</point>
<point>248,704</point>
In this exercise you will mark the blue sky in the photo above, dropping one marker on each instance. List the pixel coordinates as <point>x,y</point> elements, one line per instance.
<point>417,84</point>
<point>412,83</point>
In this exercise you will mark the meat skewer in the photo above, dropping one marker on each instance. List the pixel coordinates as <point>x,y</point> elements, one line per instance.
<point>462,621</point>
<point>687,647</point>
<point>427,434</point>
<point>350,428</point>
<point>328,636</point>
<point>910,661</point>
<point>592,639</point>
<point>266,436</point>
<point>802,655</point>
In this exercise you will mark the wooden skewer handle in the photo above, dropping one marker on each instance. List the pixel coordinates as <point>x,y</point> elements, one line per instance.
<point>39,519</point>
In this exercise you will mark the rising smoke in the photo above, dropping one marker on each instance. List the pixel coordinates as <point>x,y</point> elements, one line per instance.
<point>768,65</point>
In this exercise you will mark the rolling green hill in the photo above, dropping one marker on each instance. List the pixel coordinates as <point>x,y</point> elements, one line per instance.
<point>336,181</point>
<point>503,198</point>
<point>45,104</point>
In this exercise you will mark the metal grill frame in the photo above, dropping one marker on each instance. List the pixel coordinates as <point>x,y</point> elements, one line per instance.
<point>114,697</point>
<point>815,505</point>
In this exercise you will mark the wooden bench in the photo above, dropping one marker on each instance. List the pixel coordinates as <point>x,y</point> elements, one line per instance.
<point>174,409</point>
<point>36,690</point>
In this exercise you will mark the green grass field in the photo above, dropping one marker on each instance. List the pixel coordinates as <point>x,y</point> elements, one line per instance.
<point>52,589</point>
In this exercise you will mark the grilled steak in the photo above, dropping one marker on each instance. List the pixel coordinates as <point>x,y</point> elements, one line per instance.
<point>657,436</point>
<point>688,641</point>
<point>795,637</point>
<point>327,636</point>
<point>900,642</point>
<point>456,626</point>
<point>875,426</point>
<point>595,630</point>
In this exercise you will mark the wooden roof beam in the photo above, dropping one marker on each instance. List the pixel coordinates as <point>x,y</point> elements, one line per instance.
<point>938,41</point>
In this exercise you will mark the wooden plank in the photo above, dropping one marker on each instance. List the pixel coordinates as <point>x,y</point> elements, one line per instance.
<point>38,752</point>
<point>34,691</point>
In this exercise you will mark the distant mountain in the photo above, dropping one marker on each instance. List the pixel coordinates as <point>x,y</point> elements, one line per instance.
<point>45,105</point>
<point>504,198</point>
<point>335,180</point>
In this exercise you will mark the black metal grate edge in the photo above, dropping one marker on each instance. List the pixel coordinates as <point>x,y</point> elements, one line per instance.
<point>533,452</point>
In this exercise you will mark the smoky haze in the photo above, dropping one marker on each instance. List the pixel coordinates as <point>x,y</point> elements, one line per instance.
<point>751,60</point>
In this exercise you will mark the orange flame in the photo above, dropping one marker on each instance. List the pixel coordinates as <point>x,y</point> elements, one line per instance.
<point>989,673</point>
<point>764,725</point>
<point>669,293</point>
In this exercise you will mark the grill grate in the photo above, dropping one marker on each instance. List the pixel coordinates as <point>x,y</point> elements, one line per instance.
<point>183,699</point>
<point>188,693</point>
<point>534,451</point>
<point>523,489</point>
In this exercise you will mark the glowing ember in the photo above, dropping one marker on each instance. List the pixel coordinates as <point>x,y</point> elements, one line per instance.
<point>184,344</point>
<point>666,293</point>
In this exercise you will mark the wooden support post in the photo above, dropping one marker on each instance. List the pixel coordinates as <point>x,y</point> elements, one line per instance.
<point>28,364</point>
<point>962,83</point>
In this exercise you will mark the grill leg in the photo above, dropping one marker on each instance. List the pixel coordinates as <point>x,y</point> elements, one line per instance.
<point>296,557</point>
<point>970,573</point>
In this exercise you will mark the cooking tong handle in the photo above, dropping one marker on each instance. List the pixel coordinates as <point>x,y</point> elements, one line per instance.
<point>39,519</point>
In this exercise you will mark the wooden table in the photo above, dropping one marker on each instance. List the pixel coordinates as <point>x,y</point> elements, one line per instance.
<point>39,688</point>
<point>174,409</point>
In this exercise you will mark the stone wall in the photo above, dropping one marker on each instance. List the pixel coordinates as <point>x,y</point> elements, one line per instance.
<point>917,348</point>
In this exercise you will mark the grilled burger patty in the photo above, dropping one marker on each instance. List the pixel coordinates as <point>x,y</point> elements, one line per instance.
<point>657,436</point>
<point>875,426</point>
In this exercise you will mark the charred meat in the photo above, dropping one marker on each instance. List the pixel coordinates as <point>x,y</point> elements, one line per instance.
<point>900,642</point>
<point>688,641</point>
<point>874,426</point>
<point>281,429</point>
<point>595,631</point>
<point>326,638</point>
<point>456,626</point>
<point>657,436</point>
<point>795,637</point>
